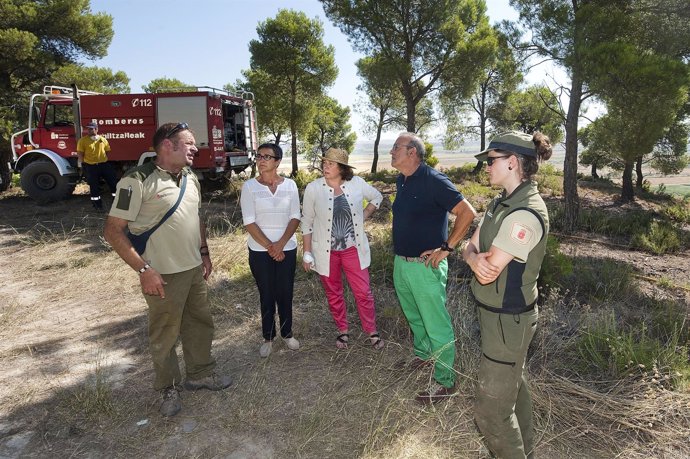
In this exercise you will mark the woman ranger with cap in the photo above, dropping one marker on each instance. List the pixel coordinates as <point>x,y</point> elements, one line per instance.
<point>505,253</point>
<point>335,242</point>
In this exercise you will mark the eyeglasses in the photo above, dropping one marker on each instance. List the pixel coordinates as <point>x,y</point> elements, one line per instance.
<point>265,157</point>
<point>491,159</point>
<point>396,146</point>
<point>176,129</point>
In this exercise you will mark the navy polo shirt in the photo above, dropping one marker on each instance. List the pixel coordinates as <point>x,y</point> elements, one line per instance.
<point>420,211</point>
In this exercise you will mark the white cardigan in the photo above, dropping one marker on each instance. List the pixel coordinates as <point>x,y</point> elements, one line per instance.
<point>317,218</point>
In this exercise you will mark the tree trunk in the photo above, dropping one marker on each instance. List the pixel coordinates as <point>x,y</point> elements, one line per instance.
<point>628,192</point>
<point>377,141</point>
<point>572,200</point>
<point>410,105</point>
<point>638,170</point>
<point>594,170</point>
<point>482,144</point>
<point>411,115</point>
<point>294,152</point>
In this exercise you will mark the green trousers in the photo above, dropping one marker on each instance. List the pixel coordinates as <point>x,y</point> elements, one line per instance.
<point>503,405</point>
<point>183,314</point>
<point>422,294</point>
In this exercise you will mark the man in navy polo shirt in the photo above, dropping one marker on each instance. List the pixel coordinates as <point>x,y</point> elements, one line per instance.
<point>421,243</point>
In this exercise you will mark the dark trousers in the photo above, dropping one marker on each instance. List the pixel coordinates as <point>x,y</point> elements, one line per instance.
<point>94,173</point>
<point>275,281</point>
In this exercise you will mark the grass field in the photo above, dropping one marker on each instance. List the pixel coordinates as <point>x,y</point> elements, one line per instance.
<point>608,366</point>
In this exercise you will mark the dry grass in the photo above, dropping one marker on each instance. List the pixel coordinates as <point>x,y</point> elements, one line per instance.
<point>78,379</point>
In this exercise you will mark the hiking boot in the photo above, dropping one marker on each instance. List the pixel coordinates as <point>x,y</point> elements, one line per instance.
<point>211,382</point>
<point>265,349</point>
<point>292,343</point>
<point>172,402</point>
<point>435,393</point>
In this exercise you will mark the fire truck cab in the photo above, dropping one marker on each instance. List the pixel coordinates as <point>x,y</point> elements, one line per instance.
<point>45,155</point>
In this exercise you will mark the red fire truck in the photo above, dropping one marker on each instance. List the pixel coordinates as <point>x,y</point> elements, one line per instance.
<point>45,153</point>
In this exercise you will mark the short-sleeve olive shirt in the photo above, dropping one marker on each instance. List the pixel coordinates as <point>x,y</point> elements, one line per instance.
<point>519,234</point>
<point>143,197</point>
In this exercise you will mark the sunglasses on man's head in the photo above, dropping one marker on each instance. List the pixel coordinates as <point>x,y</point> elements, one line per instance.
<point>176,129</point>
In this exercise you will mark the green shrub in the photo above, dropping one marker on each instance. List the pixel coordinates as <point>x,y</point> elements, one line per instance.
<point>429,158</point>
<point>465,173</point>
<point>601,279</point>
<point>556,267</point>
<point>661,237</point>
<point>304,178</point>
<point>608,347</point>
<point>550,179</point>
<point>607,223</point>
<point>385,176</point>
<point>382,256</point>
<point>667,317</point>
<point>679,211</point>
<point>474,190</point>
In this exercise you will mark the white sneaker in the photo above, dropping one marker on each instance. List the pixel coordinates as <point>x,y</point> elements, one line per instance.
<point>292,343</point>
<point>265,349</point>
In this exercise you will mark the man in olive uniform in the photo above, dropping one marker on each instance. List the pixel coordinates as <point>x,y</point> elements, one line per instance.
<point>174,266</point>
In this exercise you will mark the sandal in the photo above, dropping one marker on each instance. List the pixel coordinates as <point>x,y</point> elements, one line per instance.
<point>376,341</point>
<point>341,340</point>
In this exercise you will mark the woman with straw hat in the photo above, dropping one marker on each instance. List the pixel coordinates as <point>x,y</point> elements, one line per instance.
<point>505,254</point>
<point>335,241</point>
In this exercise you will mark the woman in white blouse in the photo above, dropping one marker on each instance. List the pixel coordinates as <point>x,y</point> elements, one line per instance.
<point>335,242</point>
<point>270,212</point>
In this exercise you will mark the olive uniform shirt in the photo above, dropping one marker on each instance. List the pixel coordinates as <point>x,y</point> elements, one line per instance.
<point>143,197</point>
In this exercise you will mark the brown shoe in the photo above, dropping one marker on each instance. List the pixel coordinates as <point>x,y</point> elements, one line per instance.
<point>414,365</point>
<point>435,393</point>
<point>171,402</point>
<point>211,382</point>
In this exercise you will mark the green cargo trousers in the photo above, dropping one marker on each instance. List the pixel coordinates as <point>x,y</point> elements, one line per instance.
<point>421,291</point>
<point>184,314</point>
<point>503,405</point>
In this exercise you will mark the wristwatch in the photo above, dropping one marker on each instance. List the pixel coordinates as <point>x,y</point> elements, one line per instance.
<point>143,270</point>
<point>446,247</point>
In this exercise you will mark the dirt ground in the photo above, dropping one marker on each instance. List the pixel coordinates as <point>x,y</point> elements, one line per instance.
<point>76,376</point>
<point>76,379</point>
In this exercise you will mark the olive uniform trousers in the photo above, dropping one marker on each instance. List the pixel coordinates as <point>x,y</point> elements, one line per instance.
<point>183,314</point>
<point>503,405</point>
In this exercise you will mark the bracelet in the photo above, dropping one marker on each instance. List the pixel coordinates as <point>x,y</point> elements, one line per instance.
<point>205,254</point>
<point>143,270</point>
<point>203,247</point>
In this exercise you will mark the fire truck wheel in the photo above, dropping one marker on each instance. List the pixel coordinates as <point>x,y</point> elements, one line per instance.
<point>42,182</point>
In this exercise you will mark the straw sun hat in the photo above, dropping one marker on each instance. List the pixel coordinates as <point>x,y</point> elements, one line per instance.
<point>337,155</point>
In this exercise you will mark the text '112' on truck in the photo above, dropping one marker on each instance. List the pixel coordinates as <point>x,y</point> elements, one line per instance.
<point>45,153</point>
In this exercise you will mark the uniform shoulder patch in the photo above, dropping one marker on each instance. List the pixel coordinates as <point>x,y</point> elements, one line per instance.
<point>521,234</point>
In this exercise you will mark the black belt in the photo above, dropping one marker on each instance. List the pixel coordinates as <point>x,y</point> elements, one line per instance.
<point>528,308</point>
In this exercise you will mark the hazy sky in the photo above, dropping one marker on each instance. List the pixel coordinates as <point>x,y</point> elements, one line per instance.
<point>205,43</point>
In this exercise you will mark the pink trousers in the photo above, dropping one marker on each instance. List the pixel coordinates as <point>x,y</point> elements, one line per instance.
<point>347,261</point>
